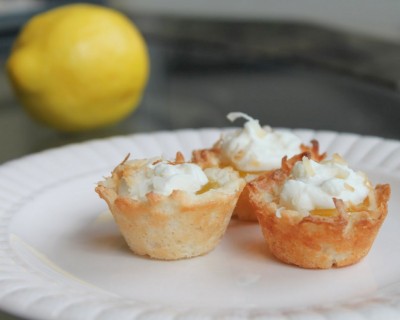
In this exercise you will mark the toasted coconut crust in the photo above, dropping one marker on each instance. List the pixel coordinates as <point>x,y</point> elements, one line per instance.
<point>313,241</point>
<point>207,158</point>
<point>314,151</point>
<point>171,227</point>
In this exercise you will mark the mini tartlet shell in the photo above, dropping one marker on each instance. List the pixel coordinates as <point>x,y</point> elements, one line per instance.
<point>207,158</point>
<point>181,225</point>
<point>314,241</point>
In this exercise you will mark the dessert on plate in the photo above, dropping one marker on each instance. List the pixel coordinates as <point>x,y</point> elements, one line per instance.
<point>170,209</point>
<point>252,150</point>
<point>318,215</point>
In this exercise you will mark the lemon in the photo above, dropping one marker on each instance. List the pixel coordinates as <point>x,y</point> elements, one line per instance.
<point>79,67</point>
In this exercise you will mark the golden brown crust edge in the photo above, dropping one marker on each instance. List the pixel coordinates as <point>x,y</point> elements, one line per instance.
<point>186,231</point>
<point>208,158</point>
<point>313,241</point>
<point>173,227</point>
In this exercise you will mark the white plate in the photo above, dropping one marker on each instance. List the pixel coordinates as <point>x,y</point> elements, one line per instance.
<point>61,256</point>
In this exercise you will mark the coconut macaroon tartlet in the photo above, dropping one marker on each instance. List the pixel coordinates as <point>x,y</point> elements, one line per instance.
<point>252,150</point>
<point>318,215</point>
<point>171,210</point>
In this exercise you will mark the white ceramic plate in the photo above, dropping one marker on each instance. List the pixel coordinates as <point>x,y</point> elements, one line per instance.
<point>61,256</point>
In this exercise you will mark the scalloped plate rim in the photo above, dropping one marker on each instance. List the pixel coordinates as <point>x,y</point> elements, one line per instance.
<point>39,313</point>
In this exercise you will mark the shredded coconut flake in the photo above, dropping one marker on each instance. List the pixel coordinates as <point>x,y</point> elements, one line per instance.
<point>307,165</point>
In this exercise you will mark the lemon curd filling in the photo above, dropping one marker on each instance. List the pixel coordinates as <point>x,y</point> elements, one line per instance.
<point>364,206</point>
<point>244,174</point>
<point>208,186</point>
<point>324,212</point>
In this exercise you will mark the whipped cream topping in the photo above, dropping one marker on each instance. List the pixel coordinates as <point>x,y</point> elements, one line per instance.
<point>163,177</point>
<point>313,185</point>
<point>254,148</point>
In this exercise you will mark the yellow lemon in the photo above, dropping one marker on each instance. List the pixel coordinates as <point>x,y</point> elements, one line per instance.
<point>79,67</point>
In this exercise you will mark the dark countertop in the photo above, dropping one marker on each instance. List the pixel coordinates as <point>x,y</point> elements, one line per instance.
<point>195,84</point>
<point>286,75</point>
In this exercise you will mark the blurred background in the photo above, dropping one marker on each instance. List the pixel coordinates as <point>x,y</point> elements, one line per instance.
<point>331,65</point>
<point>328,65</point>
